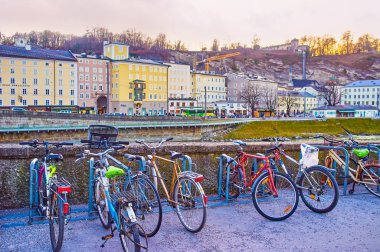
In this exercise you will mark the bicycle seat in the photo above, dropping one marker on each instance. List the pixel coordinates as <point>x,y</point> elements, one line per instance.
<point>113,172</point>
<point>175,155</point>
<point>361,153</point>
<point>133,157</point>
<point>239,142</point>
<point>54,157</point>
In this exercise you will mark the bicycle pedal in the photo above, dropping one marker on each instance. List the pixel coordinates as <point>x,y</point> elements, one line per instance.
<point>107,237</point>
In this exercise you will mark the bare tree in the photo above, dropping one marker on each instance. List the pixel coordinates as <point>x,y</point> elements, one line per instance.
<point>251,96</point>
<point>331,92</point>
<point>288,100</point>
<point>270,98</point>
<point>255,42</point>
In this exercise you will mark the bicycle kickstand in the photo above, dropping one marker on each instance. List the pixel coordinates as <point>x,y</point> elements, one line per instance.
<point>107,237</point>
<point>352,190</point>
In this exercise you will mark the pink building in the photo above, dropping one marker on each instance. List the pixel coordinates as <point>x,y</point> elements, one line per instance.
<point>92,83</point>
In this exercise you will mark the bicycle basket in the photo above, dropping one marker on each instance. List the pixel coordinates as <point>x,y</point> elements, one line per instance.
<point>309,155</point>
<point>101,133</point>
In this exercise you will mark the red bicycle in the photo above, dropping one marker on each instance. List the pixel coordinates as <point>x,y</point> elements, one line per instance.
<point>274,194</point>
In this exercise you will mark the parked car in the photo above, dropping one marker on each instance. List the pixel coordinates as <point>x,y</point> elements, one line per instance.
<point>18,109</point>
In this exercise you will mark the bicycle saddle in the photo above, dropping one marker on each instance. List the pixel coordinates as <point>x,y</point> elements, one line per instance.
<point>133,157</point>
<point>175,155</point>
<point>239,142</point>
<point>361,153</point>
<point>54,157</point>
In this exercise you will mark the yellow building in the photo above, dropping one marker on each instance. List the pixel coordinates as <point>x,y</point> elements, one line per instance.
<point>213,84</point>
<point>31,76</point>
<point>138,86</point>
<point>293,102</point>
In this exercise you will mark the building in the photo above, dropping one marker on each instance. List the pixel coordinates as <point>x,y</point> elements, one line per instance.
<point>346,111</point>
<point>31,75</point>
<point>364,92</point>
<point>293,103</point>
<point>138,86</point>
<point>310,86</point>
<point>211,85</point>
<point>237,86</point>
<point>293,46</point>
<point>231,109</point>
<point>93,82</point>
<point>180,87</point>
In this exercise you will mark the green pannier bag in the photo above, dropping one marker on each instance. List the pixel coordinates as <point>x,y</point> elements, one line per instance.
<point>113,172</point>
<point>361,153</point>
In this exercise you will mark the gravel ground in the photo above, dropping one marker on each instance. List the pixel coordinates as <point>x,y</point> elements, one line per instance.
<point>354,225</point>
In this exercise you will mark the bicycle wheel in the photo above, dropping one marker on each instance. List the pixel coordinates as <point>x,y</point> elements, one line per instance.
<point>235,182</point>
<point>371,178</point>
<point>318,189</point>
<point>190,207</point>
<point>102,205</point>
<point>149,208</point>
<point>56,221</point>
<point>272,207</point>
<point>129,232</point>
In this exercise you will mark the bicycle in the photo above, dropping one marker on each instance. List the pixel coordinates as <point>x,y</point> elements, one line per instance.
<point>274,194</point>
<point>186,194</point>
<point>148,208</point>
<point>53,191</point>
<point>317,186</point>
<point>363,173</point>
<point>116,200</point>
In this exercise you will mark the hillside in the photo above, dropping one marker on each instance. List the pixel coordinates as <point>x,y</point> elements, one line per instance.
<point>276,64</point>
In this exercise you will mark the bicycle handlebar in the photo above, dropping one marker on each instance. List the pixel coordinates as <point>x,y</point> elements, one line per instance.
<point>163,140</point>
<point>104,141</point>
<point>34,143</point>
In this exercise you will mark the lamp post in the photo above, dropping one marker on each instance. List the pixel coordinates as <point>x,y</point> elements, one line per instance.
<point>304,102</point>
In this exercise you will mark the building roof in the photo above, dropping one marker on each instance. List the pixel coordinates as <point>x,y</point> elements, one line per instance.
<point>116,43</point>
<point>141,61</point>
<point>303,83</point>
<point>295,94</point>
<point>88,56</point>
<point>204,73</point>
<point>346,107</point>
<point>35,52</point>
<point>364,83</point>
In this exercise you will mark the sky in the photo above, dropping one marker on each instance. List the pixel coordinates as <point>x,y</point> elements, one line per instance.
<point>196,22</point>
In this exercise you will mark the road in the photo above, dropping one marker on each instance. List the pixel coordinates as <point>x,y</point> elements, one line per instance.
<point>352,226</point>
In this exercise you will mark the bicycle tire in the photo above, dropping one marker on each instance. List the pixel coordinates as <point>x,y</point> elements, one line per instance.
<point>145,208</point>
<point>56,209</point>
<point>189,205</point>
<point>262,195</point>
<point>375,169</point>
<point>102,205</point>
<point>236,177</point>
<point>131,243</point>
<point>326,180</point>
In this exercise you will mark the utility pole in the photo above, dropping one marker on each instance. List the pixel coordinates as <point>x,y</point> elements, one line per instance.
<point>205,103</point>
<point>304,103</point>
<point>303,65</point>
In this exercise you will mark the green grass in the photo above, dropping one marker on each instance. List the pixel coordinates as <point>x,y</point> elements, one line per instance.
<point>262,129</point>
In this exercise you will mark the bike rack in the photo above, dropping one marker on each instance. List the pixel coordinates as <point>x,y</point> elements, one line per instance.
<point>187,163</point>
<point>227,159</point>
<point>33,191</point>
<point>346,174</point>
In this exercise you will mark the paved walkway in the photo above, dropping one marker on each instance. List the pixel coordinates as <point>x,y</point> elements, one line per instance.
<point>354,225</point>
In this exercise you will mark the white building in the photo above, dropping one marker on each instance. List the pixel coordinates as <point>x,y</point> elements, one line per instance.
<point>363,111</point>
<point>211,85</point>
<point>365,92</point>
<point>179,81</point>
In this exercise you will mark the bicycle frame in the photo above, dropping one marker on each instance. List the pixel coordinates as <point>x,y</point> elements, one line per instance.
<point>243,158</point>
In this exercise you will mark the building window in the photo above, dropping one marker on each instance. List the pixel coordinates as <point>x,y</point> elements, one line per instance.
<point>35,81</point>
<point>81,86</point>
<point>1,80</point>
<point>35,102</point>
<point>47,64</point>
<point>71,92</point>
<point>35,71</point>
<point>35,92</point>
<point>60,82</point>
<point>47,102</point>
<point>23,80</point>
<point>72,102</point>
<point>13,91</point>
<point>24,91</point>
<point>13,102</point>
<point>72,83</point>
<point>1,91</point>
<point>100,87</point>
<point>24,102</point>
<point>60,102</point>
<point>24,71</point>
<point>47,82</point>
<point>47,91</point>
<point>130,95</point>
<point>47,72</point>
<point>60,92</point>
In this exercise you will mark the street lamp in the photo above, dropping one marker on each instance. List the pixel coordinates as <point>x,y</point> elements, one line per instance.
<point>205,103</point>
<point>304,102</point>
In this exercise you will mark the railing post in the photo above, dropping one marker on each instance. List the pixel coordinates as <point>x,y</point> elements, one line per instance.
<point>91,188</point>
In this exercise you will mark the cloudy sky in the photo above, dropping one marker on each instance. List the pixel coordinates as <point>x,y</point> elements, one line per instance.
<point>196,22</point>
